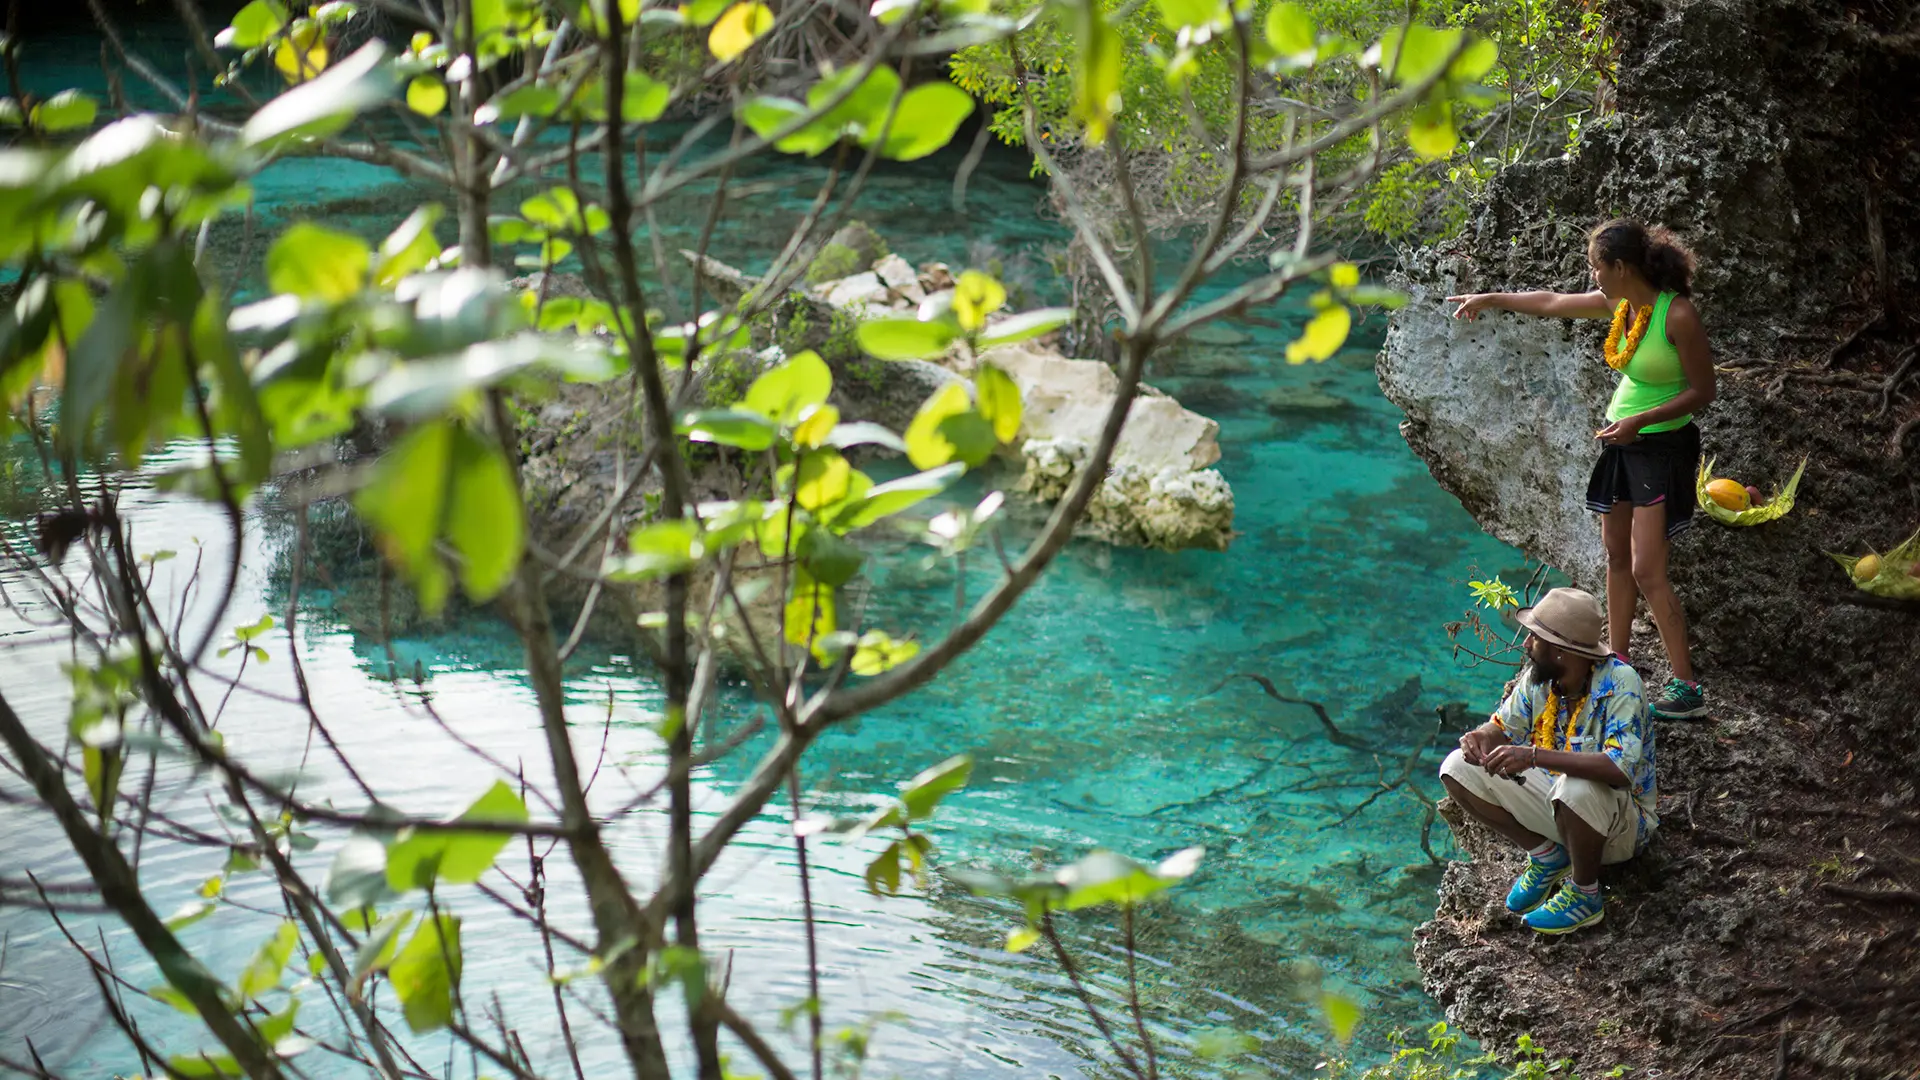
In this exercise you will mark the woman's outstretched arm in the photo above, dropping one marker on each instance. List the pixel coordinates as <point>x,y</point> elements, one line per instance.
<point>1586,305</point>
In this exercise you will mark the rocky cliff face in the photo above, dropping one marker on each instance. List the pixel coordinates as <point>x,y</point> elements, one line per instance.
<point>1768,134</point>
<point>1779,138</point>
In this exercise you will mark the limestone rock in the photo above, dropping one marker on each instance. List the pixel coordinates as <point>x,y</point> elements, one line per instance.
<point>895,273</point>
<point>1063,397</point>
<point>1159,491</point>
<point>935,276</point>
<point>857,293</point>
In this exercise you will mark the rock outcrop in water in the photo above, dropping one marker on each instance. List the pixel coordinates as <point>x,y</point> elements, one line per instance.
<point>1160,490</point>
<point>1768,134</point>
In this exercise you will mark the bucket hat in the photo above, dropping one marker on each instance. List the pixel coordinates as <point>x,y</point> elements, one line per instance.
<point>1569,618</point>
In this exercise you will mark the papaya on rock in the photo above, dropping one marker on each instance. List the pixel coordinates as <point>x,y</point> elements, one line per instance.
<point>1730,494</point>
<point>1730,502</point>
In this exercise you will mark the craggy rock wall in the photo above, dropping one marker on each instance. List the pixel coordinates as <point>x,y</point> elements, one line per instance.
<point>1780,138</point>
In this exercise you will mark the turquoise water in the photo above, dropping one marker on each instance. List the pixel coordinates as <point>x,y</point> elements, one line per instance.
<point>1095,714</point>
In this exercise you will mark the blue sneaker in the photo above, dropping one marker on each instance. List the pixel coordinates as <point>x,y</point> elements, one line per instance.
<point>1680,701</point>
<point>1534,885</point>
<point>1567,910</point>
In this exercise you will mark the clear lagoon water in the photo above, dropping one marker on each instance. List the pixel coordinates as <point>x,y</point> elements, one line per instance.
<point>1100,713</point>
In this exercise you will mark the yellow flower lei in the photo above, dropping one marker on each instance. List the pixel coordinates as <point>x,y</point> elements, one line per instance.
<point>1616,356</point>
<point>1543,724</point>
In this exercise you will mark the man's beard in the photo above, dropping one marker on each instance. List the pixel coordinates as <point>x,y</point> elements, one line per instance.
<point>1544,672</point>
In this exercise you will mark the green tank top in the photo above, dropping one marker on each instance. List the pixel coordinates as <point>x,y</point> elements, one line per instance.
<point>1653,375</point>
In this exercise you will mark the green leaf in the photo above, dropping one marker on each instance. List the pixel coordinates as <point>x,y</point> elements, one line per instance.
<point>999,401</point>
<point>1414,53</point>
<point>657,549</point>
<point>926,447</point>
<point>427,95</point>
<point>1475,61</point>
<point>966,436</point>
<point>533,99</point>
<point>1183,13</point>
<point>816,427</point>
<point>252,26</point>
<point>263,972</point>
<point>647,98</point>
<point>822,479</point>
<point>864,433</point>
<point>1103,877</point>
<point>420,857</point>
<point>167,995</point>
<point>1020,939</point>
<point>885,500</point>
<point>483,520</point>
<point>905,339</point>
<point>883,873</point>
<point>205,1064</point>
<point>189,914</point>
<point>810,610</point>
<point>102,767</point>
<point>301,53</point>
<point>442,480</point>
<point>738,28</point>
<point>1097,76</point>
<point>924,792</point>
<point>357,877</point>
<point>323,105</point>
<point>703,12</point>
<point>929,115</point>
<point>1323,336</point>
<point>64,111</point>
<point>410,247</point>
<point>748,431</point>
<point>975,296</point>
<point>783,392</point>
<point>1431,132</point>
<point>425,973</point>
<point>1291,32</point>
<point>1342,1013</point>
<point>766,115</point>
<point>316,263</point>
<point>877,651</point>
<point>379,947</point>
<point>1024,326</point>
<point>828,559</point>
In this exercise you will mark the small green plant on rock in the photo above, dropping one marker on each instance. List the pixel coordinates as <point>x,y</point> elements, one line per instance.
<point>1443,1058</point>
<point>834,262</point>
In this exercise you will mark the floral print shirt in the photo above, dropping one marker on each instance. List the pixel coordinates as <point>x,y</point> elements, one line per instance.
<point>1616,722</point>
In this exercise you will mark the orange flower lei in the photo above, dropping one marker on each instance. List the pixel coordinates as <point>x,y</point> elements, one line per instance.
<point>1543,724</point>
<point>1616,356</point>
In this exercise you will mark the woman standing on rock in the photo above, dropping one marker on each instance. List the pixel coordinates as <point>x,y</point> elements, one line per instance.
<point>1643,484</point>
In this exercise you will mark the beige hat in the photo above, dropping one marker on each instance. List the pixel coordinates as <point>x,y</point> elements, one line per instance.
<point>1569,618</point>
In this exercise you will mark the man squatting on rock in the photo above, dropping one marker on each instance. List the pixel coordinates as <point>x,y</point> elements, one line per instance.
<point>1565,766</point>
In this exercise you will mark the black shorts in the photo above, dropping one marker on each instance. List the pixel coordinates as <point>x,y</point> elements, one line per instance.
<point>1654,470</point>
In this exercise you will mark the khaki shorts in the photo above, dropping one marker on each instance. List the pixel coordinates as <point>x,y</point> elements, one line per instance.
<point>1609,810</point>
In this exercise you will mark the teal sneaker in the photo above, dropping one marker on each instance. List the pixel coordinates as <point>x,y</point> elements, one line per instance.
<point>1534,884</point>
<point>1680,701</point>
<point>1567,910</point>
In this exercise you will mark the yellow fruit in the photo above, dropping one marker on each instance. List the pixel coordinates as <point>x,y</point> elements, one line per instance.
<point>1867,568</point>
<point>1728,493</point>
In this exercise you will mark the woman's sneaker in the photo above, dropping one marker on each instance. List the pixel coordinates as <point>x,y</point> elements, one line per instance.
<point>1681,700</point>
<point>1567,910</point>
<point>1535,883</point>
